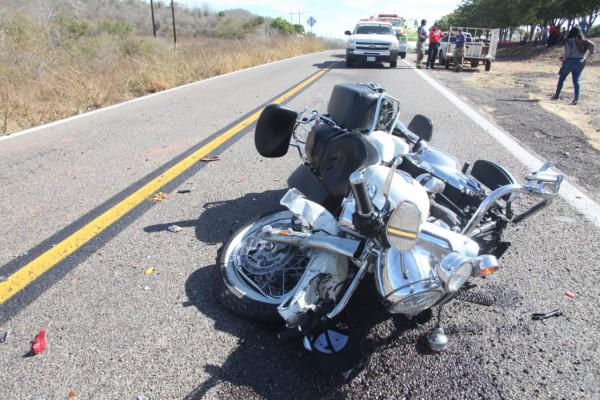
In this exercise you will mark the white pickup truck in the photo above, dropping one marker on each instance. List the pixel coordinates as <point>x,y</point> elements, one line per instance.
<point>372,41</point>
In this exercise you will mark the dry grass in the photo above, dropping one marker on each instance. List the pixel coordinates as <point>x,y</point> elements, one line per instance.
<point>538,77</point>
<point>47,73</point>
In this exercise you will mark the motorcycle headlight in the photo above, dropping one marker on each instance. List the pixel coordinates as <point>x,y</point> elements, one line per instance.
<point>402,229</point>
<point>406,281</point>
<point>454,270</point>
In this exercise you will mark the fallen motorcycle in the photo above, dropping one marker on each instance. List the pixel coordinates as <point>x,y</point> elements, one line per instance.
<point>371,197</point>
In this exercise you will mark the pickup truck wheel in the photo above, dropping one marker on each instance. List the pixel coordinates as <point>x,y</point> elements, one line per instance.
<point>403,55</point>
<point>349,62</point>
<point>488,66</point>
<point>447,63</point>
<point>474,63</point>
<point>393,63</point>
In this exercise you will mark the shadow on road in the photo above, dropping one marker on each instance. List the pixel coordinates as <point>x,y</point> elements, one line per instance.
<point>342,65</point>
<point>261,365</point>
<point>221,218</point>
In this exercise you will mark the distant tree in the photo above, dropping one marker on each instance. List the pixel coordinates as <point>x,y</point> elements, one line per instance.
<point>299,29</point>
<point>282,26</point>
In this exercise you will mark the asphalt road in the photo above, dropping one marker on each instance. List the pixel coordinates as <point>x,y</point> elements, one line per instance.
<point>114,332</point>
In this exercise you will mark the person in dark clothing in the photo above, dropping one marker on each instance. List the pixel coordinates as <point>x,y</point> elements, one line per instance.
<point>573,61</point>
<point>435,37</point>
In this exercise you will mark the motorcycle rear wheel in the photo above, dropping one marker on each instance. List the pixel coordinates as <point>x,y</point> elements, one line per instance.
<point>248,262</point>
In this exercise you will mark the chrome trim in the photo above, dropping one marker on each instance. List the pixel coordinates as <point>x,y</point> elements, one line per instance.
<point>331,244</point>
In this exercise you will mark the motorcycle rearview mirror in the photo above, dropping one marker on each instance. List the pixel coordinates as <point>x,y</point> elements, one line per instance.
<point>421,126</point>
<point>274,131</point>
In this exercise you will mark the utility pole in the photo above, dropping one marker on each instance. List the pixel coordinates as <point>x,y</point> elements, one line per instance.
<point>152,13</point>
<point>299,14</point>
<point>174,30</point>
<point>291,21</point>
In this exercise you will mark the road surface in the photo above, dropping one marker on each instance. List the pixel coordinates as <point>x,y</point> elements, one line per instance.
<point>79,228</point>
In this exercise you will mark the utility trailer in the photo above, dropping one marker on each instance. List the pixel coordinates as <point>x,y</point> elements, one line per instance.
<point>480,46</point>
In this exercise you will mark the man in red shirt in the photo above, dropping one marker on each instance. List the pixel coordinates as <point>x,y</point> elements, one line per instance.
<point>435,36</point>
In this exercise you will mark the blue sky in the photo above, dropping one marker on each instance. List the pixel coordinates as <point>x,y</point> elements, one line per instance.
<point>333,17</point>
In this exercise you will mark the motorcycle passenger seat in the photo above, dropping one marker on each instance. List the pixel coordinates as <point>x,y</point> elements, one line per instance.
<point>317,139</point>
<point>342,156</point>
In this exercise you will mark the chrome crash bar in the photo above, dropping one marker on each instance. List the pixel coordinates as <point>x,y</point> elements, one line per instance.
<point>543,183</point>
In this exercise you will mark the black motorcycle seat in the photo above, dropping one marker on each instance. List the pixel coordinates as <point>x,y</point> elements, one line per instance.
<point>342,155</point>
<point>317,139</point>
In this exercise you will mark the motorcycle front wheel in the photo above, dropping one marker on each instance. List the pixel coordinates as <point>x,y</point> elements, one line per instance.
<point>255,275</point>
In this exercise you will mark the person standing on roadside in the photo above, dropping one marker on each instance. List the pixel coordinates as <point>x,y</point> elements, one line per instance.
<point>574,60</point>
<point>459,51</point>
<point>435,36</point>
<point>583,25</point>
<point>421,37</point>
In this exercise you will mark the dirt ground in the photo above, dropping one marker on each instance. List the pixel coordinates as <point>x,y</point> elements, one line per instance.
<point>516,95</point>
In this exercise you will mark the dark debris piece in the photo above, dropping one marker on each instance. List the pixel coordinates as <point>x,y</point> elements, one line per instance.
<point>541,316</point>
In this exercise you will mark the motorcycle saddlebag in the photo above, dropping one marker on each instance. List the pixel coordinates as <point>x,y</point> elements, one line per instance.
<point>353,106</point>
<point>274,131</point>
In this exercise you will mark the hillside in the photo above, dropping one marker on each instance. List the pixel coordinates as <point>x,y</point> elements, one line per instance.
<point>60,58</point>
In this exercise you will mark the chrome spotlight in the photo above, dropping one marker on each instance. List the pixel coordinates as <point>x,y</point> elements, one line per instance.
<point>454,270</point>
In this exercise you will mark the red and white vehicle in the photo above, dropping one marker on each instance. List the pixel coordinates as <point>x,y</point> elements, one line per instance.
<point>398,25</point>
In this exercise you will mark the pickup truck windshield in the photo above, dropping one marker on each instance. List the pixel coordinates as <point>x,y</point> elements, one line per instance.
<point>374,29</point>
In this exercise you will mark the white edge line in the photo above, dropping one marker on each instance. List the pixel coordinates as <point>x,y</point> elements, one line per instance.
<point>148,96</point>
<point>568,191</point>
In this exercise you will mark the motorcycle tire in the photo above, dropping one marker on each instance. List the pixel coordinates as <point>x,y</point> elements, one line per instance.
<point>234,292</point>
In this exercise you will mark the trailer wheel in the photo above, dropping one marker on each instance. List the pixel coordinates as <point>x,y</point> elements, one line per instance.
<point>447,63</point>
<point>488,66</point>
<point>474,63</point>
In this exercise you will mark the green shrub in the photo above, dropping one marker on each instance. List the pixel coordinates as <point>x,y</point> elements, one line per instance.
<point>594,32</point>
<point>116,28</point>
<point>284,27</point>
<point>74,28</point>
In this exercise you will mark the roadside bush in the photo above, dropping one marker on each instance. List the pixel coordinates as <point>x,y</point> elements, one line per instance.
<point>282,26</point>
<point>117,28</point>
<point>595,31</point>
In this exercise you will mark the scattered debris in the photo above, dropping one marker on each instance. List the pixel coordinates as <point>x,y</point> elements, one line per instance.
<point>210,158</point>
<point>239,179</point>
<point>146,288</point>
<point>4,336</point>
<point>184,191</point>
<point>437,339</point>
<point>541,316</point>
<point>569,294</point>
<point>174,228</point>
<point>149,271</point>
<point>38,344</point>
<point>71,394</point>
<point>276,180</point>
<point>160,196</point>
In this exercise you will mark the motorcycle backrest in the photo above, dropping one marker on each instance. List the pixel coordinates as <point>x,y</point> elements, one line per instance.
<point>421,126</point>
<point>274,131</point>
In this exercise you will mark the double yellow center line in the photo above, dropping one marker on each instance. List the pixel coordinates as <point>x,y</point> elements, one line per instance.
<point>20,279</point>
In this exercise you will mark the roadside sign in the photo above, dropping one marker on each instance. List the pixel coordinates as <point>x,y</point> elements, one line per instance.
<point>311,21</point>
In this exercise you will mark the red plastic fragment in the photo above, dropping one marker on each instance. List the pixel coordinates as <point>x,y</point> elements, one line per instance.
<point>38,344</point>
<point>569,294</point>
